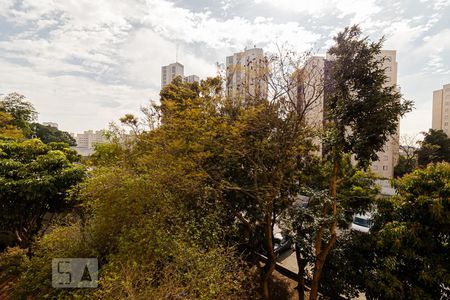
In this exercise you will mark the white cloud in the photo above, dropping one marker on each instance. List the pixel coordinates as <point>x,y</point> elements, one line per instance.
<point>360,10</point>
<point>85,63</point>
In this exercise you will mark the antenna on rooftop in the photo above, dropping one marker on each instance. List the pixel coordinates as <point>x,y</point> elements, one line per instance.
<point>176,54</point>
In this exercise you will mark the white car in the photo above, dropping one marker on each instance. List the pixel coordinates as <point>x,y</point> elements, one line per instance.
<point>362,223</point>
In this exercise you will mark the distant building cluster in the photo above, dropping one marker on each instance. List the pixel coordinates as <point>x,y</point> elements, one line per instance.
<point>170,72</point>
<point>87,140</point>
<point>441,109</point>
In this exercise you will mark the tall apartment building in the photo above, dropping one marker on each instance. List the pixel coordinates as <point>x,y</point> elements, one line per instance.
<point>319,67</point>
<point>87,140</point>
<point>389,156</point>
<point>246,74</point>
<point>441,109</point>
<point>169,72</point>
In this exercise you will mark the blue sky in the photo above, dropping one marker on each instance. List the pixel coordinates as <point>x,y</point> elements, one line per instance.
<point>84,63</point>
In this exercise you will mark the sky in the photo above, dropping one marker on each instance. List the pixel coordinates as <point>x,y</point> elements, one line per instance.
<point>86,63</point>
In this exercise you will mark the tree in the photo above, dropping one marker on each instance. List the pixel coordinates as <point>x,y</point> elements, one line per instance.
<point>356,193</point>
<point>408,155</point>
<point>49,134</point>
<point>362,113</point>
<point>34,180</point>
<point>412,230</point>
<point>7,130</point>
<point>250,151</point>
<point>268,148</point>
<point>435,147</point>
<point>21,111</point>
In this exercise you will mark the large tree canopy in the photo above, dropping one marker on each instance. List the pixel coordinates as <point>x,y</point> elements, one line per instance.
<point>435,147</point>
<point>412,232</point>
<point>21,111</point>
<point>34,180</point>
<point>49,134</point>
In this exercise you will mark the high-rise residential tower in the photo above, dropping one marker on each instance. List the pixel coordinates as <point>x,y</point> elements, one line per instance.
<point>169,72</point>
<point>246,74</point>
<point>441,109</point>
<point>389,156</point>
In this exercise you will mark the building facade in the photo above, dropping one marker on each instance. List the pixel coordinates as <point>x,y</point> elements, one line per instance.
<point>87,140</point>
<point>246,74</point>
<point>191,79</point>
<point>169,72</point>
<point>318,68</point>
<point>389,156</point>
<point>441,109</point>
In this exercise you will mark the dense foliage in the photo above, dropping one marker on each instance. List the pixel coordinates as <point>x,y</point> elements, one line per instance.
<point>435,147</point>
<point>21,111</point>
<point>412,238</point>
<point>34,181</point>
<point>49,134</point>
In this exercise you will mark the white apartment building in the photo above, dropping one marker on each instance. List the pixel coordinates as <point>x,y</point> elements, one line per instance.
<point>87,140</point>
<point>246,74</point>
<point>316,113</point>
<point>441,109</point>
<point>169,72</point>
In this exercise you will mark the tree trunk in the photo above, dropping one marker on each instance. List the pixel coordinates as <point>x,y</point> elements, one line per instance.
<point>271,260</point>
<point>301,263</point>
<point>322,252</point>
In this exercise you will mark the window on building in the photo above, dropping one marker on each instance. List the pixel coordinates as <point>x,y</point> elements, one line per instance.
<point>385,168</point>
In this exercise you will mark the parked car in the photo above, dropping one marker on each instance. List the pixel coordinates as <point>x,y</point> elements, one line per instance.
<point>362,222</point>
<point>281,244</point>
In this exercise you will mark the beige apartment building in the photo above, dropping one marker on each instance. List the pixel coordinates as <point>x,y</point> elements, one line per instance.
<point>246,74</point>
<point>441,109</point>
<point>389,156</point>
<point>314,95</point>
